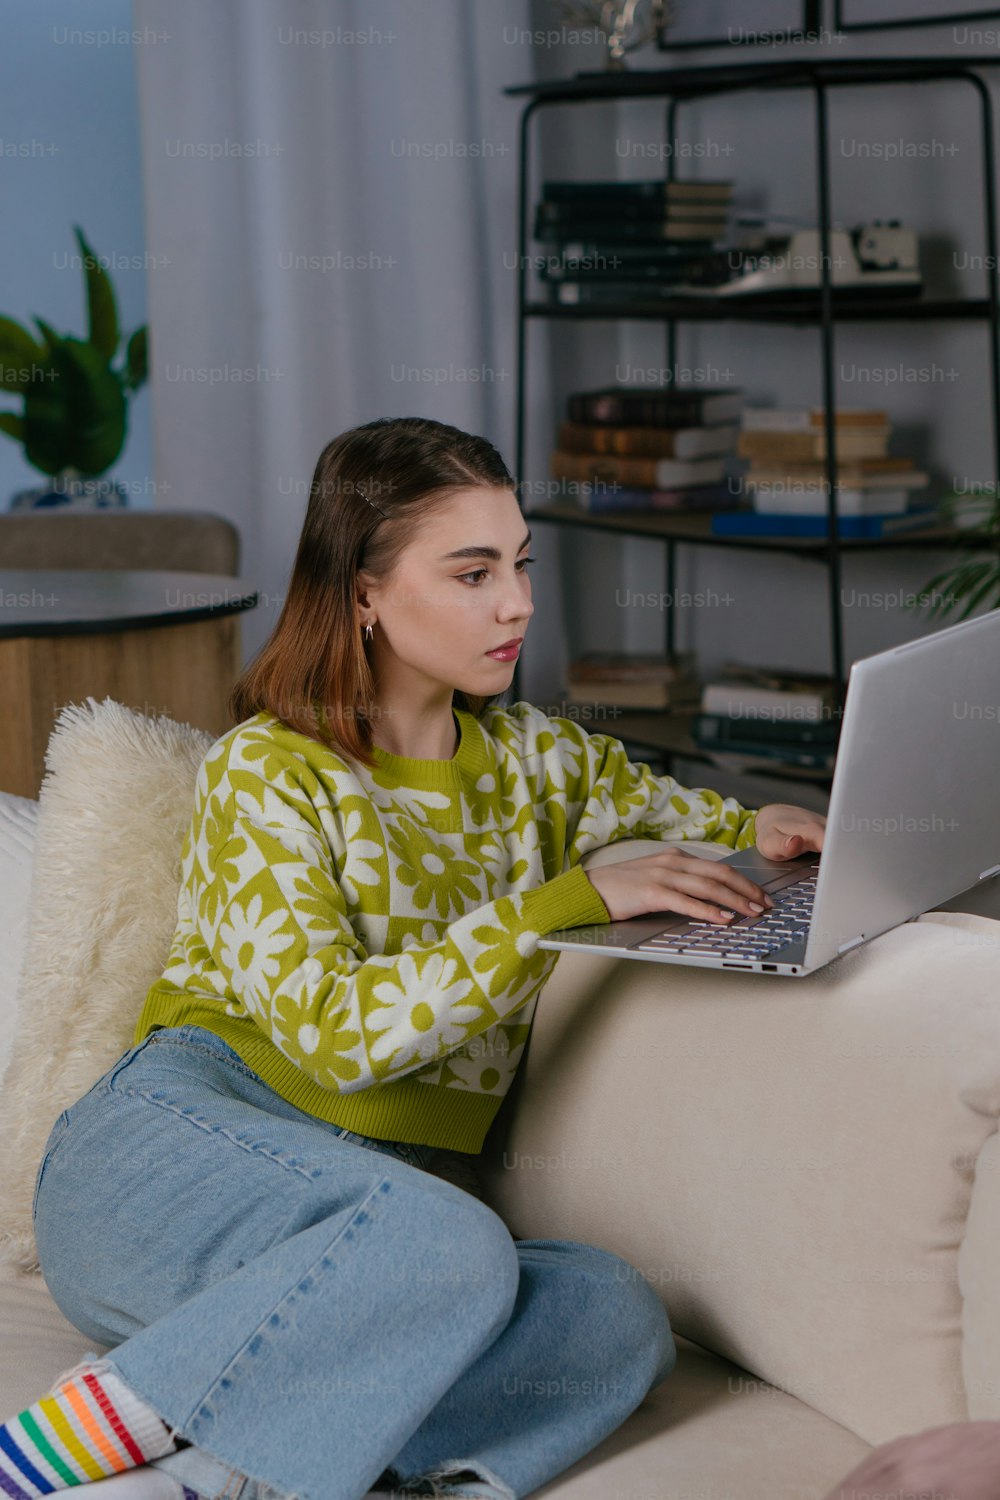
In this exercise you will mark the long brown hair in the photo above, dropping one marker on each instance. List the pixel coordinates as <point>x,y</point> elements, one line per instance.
<point>371,490</point>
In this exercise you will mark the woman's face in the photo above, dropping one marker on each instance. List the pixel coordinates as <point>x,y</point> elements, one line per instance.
<point>460,591</point>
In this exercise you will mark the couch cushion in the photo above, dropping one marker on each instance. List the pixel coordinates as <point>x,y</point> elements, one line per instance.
<point>708,1430</point>
<point>18,820</point>
<point>808,1149</point>
<point>37,1343</point>
<point>113,807</point>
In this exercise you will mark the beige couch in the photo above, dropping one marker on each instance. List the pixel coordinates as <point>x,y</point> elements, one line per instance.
<point>807,1171</point>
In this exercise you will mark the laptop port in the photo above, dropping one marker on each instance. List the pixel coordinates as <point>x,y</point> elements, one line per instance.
<point>770,968</point>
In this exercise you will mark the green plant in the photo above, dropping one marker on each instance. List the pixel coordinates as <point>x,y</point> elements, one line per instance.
<point>75,400</point>
<point>976,579</point>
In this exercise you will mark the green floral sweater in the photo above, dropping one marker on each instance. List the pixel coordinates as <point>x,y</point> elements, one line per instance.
<point>367,941</point>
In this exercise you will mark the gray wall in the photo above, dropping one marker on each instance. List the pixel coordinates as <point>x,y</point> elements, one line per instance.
<point>69,154</point>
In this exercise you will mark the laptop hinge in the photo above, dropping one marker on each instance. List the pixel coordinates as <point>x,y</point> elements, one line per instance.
<point>852,943</point>
<point>991,871</point>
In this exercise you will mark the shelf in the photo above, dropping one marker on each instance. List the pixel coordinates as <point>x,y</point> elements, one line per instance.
<point>826,307</point>
<point>671,734</point>
<point>695,527</point>
<point>805,310</point>
<point>690,83</point>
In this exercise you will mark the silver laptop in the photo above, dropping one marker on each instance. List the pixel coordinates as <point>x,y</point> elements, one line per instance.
<point>913,819</point>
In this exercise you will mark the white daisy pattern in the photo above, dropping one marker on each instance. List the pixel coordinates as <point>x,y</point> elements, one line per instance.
<point>352,934</point>
<point>250,944</point>
<point>364,855</point>
<point>404,1025</point>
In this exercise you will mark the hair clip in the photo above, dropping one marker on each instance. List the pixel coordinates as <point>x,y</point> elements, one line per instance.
<point>372,503</point>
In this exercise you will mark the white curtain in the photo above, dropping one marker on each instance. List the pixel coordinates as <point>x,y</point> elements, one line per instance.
<point>330,189</point>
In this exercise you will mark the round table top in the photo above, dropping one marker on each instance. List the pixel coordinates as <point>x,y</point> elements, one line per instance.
<point>86,601</point>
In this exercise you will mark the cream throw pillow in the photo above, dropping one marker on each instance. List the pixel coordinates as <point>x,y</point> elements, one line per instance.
<point>114,805</point>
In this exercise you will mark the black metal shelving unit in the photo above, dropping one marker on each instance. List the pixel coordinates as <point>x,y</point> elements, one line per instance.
<point>669,733</point>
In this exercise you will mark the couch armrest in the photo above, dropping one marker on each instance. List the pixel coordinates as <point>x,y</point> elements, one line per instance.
<point>790,1162</point>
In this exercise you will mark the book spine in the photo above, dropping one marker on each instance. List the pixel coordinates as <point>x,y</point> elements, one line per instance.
<point>796,419</point>
<point>649,442</point>
<point>735,700</point>
<point>642,695</point>
<point>639,210</point>
<point>655,189</point>
<point>633,231</point>
<point>639,408</point>
<point>775,502</point>
<point>642,473</point>
<point>806,447</point>
<point>639,442</point>
<point>751,523</point>
<point>618,668</point>
<point>721,729</point>
<point>713,496</point>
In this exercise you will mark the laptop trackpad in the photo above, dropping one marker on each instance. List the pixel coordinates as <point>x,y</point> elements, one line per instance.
<point>637,929</point>
<point>770,873</point>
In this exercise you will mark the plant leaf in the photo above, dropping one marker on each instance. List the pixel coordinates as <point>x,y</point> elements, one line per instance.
<point>992,581</point>
<point>102,309</point>
<point>18,354</point>
<point>950,585</point>
<point>78,419</point>
<point>137,359</point>
<point>12,425</point>
<point>52,339</point>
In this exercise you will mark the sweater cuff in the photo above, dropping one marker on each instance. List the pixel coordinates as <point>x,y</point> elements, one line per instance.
<point>748,833</point>
<point>569,900</point>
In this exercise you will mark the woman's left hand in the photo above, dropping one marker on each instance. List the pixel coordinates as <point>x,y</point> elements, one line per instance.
<point>784,831</point>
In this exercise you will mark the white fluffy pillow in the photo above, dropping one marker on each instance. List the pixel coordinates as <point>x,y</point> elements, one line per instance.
<point>114,805</point>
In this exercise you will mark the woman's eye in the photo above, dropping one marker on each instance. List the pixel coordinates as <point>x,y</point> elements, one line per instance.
<point>480,573</point>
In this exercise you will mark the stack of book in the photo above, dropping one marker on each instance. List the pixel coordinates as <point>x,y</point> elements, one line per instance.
<point>787,480</point>
<point>631,241</point>
<point>634,680</point>
<point>626,448</point>
<point>761,715</point>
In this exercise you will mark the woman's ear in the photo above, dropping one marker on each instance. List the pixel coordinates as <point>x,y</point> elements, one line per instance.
<point>362,583</point>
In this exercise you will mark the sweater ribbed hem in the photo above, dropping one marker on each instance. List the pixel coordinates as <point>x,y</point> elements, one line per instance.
<point>424,1114</point>
<point>568,900</point>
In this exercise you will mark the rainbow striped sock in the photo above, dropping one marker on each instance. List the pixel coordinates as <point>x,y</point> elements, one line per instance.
<point>90,1426</point>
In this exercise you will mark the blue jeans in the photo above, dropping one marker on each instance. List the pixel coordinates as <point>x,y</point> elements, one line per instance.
<point>315,1309</point>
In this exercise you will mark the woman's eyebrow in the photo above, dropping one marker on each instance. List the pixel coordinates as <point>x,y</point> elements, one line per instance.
<point>490,552</point>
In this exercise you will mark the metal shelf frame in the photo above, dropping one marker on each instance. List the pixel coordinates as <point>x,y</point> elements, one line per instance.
<point>683,85</point>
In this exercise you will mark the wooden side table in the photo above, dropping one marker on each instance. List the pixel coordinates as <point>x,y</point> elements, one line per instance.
<point>157,642</point>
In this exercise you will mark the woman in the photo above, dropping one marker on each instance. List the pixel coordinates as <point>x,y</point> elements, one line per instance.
<point>298,1299</point>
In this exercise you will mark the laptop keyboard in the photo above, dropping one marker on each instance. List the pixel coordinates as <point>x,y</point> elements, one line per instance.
<point>749,937</point>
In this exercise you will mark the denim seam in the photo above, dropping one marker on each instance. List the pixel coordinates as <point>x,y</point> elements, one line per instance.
<point>239,1066</point>
<point>176,1109</point>
<point>322,1260</point>
<point>50,1151</point>
<point>235,1061</point>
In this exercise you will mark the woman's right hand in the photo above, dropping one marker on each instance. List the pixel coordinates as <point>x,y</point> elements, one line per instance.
<point>674,880</point>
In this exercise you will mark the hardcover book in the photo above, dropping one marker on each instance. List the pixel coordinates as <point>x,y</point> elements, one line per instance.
<point>678,406</point>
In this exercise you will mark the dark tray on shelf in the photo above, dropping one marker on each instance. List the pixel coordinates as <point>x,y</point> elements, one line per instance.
<point>773,309</point>
<point>796,72</point>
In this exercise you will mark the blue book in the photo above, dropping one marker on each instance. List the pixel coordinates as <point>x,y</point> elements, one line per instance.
<point>758,523</point>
